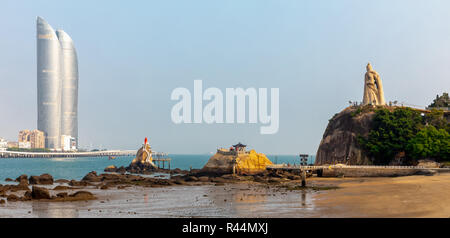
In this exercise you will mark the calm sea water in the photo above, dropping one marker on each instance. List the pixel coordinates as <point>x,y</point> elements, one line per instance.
<point>76,168</point>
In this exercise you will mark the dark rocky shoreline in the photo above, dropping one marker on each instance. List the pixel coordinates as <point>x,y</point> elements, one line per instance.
<point>120,179</point>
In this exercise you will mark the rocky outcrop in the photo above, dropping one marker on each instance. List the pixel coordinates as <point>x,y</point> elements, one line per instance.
<point>42,179</point>
<point>111,168</point>
<point>143,161</point>
<point>91,177</point>
<point>339,144</point>
<point>249,163</point>
<point>114,169</point>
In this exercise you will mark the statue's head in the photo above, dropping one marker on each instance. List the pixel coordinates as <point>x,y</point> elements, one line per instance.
<point>369,67</point>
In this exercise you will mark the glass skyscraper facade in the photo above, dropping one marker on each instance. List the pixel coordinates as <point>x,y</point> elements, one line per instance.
<point>57,84</point>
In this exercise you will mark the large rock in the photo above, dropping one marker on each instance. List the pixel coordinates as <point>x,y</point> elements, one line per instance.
<point>40,193</point>
<point>92,177</point>
<point>42,179</point>
<point>83,195</point>
<point>22,179</point>
<point>249,163</point>
<point>143,161</point>
<point>78,183</point>
<point>12,198</point>
<point>111,168</point>
<point>339,144</point>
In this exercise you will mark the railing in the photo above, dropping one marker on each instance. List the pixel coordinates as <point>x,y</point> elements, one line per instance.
<point>232,152</point>
<point>284,166</point>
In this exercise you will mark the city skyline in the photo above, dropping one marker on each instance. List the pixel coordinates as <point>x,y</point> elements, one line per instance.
<point>133,55</point>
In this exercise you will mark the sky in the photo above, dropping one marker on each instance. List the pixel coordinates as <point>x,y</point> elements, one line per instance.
<point>133,54</point>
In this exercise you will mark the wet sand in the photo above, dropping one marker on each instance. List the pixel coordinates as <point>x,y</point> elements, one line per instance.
<point>413,196</point>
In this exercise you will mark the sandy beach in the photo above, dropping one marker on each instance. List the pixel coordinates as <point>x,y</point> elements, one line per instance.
<point>412,196</point>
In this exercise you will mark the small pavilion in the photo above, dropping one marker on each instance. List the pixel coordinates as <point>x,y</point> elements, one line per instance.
<point>239,147</point>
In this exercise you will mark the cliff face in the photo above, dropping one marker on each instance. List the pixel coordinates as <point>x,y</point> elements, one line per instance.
<point>340,140</point>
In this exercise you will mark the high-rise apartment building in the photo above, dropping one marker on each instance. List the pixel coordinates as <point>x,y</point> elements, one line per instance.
<point>31,139</point>
<point>37,139</point>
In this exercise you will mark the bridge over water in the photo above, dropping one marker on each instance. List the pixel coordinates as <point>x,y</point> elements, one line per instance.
<point>20,154</point>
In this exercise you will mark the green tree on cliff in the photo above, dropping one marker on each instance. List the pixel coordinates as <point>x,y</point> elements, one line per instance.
<point>430,143</point>
<point>441,101</point>
<point>391,133</point>
<point>436,118</point>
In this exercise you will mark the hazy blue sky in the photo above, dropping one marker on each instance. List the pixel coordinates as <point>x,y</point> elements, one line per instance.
<point>132,54</point>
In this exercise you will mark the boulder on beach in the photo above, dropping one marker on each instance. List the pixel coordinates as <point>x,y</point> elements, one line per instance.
<point>243,163</point>
<point>12,198</point>
<point>92,177</point>
<point>40,193</point>
<point>42,179</point>
<point>22,179</point>
<point>82,195</point>
<point>75,183</point>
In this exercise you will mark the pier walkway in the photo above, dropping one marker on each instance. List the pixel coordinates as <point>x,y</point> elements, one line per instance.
<point>20,154</point>
<point>358,170</point>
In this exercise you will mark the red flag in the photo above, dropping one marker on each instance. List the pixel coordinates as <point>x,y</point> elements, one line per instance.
<point>145,141</point>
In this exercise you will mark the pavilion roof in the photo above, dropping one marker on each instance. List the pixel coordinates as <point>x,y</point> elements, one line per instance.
<point>239,145</point>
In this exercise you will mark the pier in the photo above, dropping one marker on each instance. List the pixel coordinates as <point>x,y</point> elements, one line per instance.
<point>162,161</point>
<point>159,158</point>
<point>355,170</point>
<point>19,154</point>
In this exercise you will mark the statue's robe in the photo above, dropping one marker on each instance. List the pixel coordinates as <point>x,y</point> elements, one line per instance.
<point>371,93</point>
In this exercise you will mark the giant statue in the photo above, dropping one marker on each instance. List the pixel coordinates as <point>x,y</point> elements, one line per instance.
<point>373,88</point>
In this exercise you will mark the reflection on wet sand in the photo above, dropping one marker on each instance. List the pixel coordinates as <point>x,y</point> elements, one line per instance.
<point>57,209</point>
<point>245,200</point>
<point>416,196</point>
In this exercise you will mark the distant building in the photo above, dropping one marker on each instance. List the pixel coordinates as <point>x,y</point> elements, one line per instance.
<point>57,84</point>
<point>24,136</point>
<point>25,145</point>
<point>3,144</point>
<point>68,143</point>
<point>37,139</point>
<point>31,139</point>
<point>13,144</point>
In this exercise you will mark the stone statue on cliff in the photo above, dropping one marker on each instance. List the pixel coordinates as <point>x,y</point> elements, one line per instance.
<point>373,88</point>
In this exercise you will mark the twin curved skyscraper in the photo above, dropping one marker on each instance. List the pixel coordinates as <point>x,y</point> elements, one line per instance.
<point>57,85</point>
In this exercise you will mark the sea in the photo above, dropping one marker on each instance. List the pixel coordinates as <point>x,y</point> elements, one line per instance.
<point>77,167</point>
